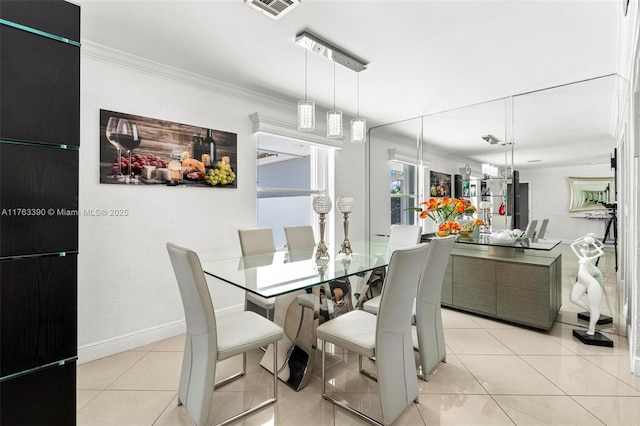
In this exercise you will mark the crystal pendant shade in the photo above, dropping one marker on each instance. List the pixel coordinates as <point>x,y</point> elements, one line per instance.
<point>322,204</point>
<point>344,204</point>
<point>359,130</point>
<point>334,124</point>
<point>306,116</point>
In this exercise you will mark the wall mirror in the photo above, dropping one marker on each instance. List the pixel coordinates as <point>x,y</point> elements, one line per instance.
<point>591,193</point>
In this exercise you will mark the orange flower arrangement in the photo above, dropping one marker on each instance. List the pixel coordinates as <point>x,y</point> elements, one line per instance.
<point>444,209</point>
<point>444,212</point>
<point>449,227</point>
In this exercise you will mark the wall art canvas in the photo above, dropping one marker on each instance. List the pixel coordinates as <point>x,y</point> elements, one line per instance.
<point>137,150</point>
<point>440,184</point>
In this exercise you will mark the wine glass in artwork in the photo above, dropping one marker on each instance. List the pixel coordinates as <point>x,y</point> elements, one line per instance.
<point>128,137</point>
<point>110,133</point>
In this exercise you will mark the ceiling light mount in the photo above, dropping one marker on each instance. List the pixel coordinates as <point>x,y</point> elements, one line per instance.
<point>324,48</point>
<point>490,138</point>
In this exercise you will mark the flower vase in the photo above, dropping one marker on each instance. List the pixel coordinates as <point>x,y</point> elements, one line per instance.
<point>467,224</point>
<point>442,228</point>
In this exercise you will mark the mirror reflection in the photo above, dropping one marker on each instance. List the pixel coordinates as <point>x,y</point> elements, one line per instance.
<point>546,135</point>
<point>591,193</point>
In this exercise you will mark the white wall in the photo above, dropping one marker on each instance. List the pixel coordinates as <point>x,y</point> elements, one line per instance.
<point>127,294</point>
<point>125,281</point>
<point>350,182</point>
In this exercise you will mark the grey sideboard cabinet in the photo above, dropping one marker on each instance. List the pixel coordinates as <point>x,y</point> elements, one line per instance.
<point>525,289</point>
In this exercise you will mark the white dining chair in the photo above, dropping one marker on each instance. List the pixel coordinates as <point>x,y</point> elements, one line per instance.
<point>210,339</point>
<point>543,229</point>
<point>531,229</point>
<point>253,242</point>
<point>300,244</point>
<point>299,237</point>
<point>428,332</point>
<point>401,236</point>
<point>386,336</point>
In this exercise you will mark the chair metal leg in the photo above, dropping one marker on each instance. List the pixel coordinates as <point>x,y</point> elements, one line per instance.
<point>262,404</point>
<point>364,372</point>
<point>334,401</point>
<point>322,370</point>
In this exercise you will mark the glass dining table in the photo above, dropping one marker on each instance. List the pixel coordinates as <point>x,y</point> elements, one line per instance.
<point>306,294</point>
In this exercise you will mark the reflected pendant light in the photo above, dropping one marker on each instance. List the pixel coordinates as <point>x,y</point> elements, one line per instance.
<point>334,117</point>
<point>306,109</point>
<point>358,124</point>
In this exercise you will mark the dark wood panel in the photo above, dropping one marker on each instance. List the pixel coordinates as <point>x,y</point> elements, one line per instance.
<point>45,397</point>
<point>36,177</point>
<point>38,302</point>
<point>40,86</point>
<point>56,17</point>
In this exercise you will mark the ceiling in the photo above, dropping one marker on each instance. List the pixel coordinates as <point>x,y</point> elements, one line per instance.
<point>424,57</point>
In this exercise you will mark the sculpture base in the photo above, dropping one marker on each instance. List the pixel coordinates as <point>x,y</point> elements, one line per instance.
<point>604,319</point>
<point>598,339</point>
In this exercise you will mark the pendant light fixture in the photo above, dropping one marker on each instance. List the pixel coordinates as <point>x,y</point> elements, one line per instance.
<point>306,109</point>
<point>335,54</point>
<point>334,117</point>
<point>358,124</point>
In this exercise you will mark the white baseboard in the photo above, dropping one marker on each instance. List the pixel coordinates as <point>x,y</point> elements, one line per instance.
<point>107,347</point>
<point>101,349</point>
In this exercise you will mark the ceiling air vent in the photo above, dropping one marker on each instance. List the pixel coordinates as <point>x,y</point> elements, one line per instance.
<point>273,8</point>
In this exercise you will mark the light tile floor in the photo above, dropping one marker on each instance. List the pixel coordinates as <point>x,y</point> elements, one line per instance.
<point>495,374</point>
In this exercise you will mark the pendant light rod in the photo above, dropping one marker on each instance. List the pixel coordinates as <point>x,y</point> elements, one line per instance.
<point>324,48</point>
<point>334,85</point>
<point>306,109</point>
<point>305,75</point>
<point>358,95</point>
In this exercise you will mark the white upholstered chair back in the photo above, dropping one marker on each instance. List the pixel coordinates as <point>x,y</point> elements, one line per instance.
<point>404,236</point>
<point>256,241</point>
<point>299,237</point>
<point>201,338</point>
<point>429,328</point>
<point>394,348</point>
<point>531,229</point>
<point>543,228</point>
<point>253,242</point>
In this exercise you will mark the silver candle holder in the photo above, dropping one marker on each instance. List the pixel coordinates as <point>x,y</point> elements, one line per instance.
<point>344,206</point>
<point>322,205</point>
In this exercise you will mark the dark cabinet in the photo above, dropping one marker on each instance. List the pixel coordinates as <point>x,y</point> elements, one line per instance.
<point>38,199</point>
<point>42,397</point>
<point>39,316</point>
<point>39,143</point>
<point>40,86</point>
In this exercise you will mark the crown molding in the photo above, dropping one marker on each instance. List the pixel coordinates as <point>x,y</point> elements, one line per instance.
<point>406,157</point>
<point>288,127</point>
<point>125,60</point>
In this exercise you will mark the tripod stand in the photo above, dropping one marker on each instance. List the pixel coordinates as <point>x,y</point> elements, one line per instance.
<point>612,221</point>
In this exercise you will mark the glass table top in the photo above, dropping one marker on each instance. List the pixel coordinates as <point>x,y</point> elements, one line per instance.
<point>520,243</point>
<point>283,272</point>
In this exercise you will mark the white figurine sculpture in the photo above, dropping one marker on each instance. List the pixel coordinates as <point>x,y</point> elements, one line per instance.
<point>588,248</point>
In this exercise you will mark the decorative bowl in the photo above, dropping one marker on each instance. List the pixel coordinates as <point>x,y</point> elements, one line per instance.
<point>508,236</point>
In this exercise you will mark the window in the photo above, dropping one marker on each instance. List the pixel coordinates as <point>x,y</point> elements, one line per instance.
<point>289,174</point>
<point>402,188</point>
